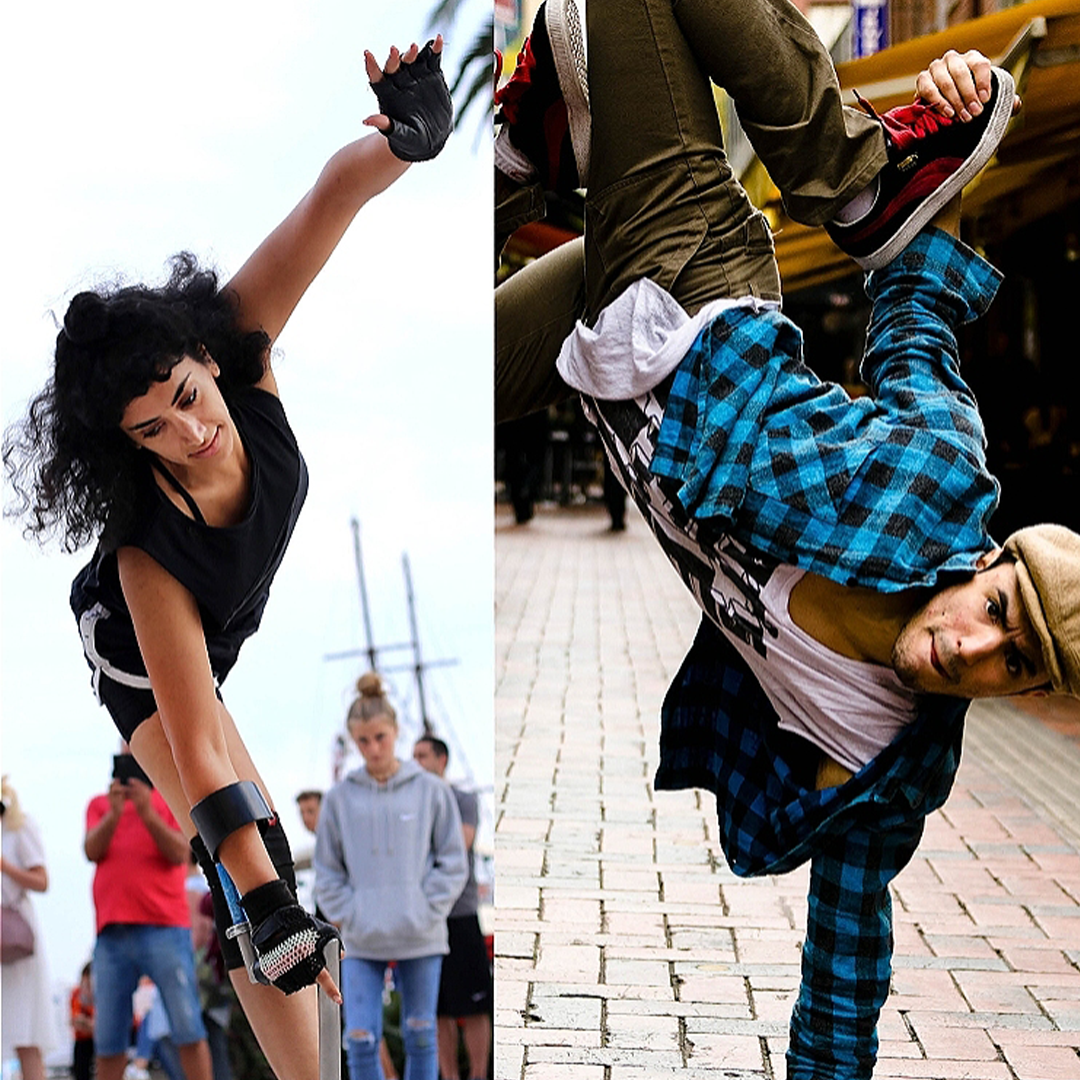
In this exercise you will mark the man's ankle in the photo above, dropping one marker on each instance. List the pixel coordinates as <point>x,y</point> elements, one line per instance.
<point>860,206</point>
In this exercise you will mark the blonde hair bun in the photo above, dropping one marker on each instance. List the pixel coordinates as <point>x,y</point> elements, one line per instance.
<point>372,702</point>
<point>369,685</point>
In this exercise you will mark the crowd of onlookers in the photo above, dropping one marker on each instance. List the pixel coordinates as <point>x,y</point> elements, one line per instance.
<point>393,870</point>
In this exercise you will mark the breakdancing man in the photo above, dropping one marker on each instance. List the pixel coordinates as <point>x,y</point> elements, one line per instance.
<point>853,599</point>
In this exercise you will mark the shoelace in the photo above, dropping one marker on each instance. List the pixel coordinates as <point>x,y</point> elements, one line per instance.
<point>906,124</point>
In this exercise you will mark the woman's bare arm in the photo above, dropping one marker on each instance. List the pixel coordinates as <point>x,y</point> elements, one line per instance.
<point>269,285</point>
<point>170,634</point>
<point>34,878</point>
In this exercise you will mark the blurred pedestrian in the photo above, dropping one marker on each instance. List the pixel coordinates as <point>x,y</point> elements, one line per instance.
<point>215,991</point>
<point>82,1026</point>
<point>465,997</point>
<point>153,1041</point>
<point>27,1029</point>
<point>309,804</point>
<point>389,864</point>
<point>142,918</point>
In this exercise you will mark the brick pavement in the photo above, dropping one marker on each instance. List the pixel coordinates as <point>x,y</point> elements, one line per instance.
<point>626,949</point>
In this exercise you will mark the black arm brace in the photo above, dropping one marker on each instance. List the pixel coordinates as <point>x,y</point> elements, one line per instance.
<point>229,808</point>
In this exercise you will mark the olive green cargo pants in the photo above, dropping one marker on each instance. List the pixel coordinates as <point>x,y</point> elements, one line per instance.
<point>662,202</point>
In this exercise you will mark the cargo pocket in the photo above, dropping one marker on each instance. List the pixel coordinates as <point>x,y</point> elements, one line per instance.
<point>645,226</point>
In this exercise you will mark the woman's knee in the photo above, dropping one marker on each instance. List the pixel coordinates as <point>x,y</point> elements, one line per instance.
<point>419,1033</point>
<point>362,1053</point>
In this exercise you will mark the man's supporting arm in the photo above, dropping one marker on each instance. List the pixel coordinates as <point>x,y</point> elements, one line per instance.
<point>847,954</point>
<point>912,362</point>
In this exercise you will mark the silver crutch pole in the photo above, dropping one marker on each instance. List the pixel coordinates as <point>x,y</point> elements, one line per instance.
<point>241,928</point>
<point>330,1018</point>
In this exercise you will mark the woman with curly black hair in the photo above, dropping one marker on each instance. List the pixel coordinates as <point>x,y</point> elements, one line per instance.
<point>161,435</point>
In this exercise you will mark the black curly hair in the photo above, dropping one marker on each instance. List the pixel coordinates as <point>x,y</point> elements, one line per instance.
<point>71,467</point>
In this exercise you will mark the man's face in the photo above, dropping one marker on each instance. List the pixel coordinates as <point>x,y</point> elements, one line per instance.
<point>309,813</point>
<point>425,756</point>
<point>972,640</point>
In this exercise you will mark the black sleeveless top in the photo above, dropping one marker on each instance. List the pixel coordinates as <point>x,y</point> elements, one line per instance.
<point>228,570</point>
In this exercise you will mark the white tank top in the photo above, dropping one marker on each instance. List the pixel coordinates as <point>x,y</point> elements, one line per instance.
<point>852,709</point>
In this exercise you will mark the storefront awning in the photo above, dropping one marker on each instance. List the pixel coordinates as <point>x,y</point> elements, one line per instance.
<point>1037,169</point>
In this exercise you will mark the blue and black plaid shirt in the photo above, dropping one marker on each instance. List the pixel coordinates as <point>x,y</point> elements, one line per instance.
<point>888,491</point>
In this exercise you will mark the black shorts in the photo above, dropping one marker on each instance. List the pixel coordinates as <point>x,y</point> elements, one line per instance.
<point>119,675</point>
<point>465,985</point>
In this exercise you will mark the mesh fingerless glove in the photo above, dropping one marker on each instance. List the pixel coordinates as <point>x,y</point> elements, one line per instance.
<point>288,941</point>
<point>416,99</point>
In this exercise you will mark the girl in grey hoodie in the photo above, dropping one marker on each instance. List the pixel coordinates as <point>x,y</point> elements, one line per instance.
<point>389,863</point>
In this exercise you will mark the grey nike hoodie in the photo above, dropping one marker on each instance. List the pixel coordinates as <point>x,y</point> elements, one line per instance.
<point>390,862</point>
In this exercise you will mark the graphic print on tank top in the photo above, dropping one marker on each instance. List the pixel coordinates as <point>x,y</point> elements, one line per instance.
<point>849,708</point>
<point>729,592</point>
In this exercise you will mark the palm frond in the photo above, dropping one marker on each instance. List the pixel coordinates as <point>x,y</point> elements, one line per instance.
<point>474,73</point>
<point>443,15</point>
<point>477,89</point>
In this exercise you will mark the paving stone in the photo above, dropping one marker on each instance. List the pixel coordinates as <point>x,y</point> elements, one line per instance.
<point>515,944</point>
<point>940,1041</point>
<point>1043,1062</point>
<point>651,1059</point>
<point>546,1070</point>
<point>643,1032</point>
<point>638,972</point>
<point>600,877</point>
<point>540,1035</point>
<point>691,1072</point>
<point>914,1069</point>
<point>563,1011</point>
<point>995,994</point>
<point>727,1051</point>
<point>1050,960</point>
<point>509,1057</point>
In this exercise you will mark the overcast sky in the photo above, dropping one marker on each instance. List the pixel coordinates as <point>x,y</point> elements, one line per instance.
<point>137,130</point>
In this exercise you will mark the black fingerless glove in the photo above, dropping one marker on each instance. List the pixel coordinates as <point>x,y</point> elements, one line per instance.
<point>416,99</point>
<point>288,941</point>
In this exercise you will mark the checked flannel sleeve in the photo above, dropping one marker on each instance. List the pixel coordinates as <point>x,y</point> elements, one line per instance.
<point>887,491</point>
<point>847,953</point>
<point>719,732</point>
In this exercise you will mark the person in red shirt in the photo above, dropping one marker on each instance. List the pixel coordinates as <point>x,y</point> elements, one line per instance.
<point>82,1024</point>
<point>143,923</point>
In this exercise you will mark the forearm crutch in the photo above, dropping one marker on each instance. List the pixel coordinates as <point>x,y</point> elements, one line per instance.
<point>240,931</point>
<point>215,817</point>
<point>330,1017</point>
<point>329,1013</point>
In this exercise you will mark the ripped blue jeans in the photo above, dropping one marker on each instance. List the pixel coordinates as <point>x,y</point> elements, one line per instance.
<point>362,988</point>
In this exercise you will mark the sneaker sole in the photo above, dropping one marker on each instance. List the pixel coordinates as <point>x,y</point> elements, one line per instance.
<point>568,51</point>
<point>984,150</point>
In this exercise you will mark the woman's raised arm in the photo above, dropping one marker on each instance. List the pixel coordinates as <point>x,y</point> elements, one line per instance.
<point>414,123</point>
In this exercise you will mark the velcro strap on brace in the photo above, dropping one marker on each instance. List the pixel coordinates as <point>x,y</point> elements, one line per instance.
<point>229,808</point>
